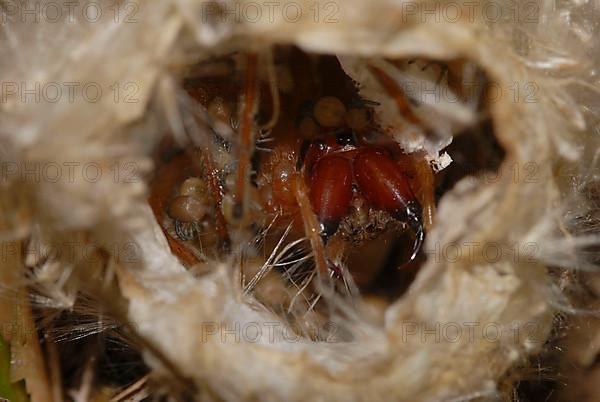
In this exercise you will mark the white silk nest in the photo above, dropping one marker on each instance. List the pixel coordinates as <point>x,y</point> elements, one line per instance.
<point>401,359</point>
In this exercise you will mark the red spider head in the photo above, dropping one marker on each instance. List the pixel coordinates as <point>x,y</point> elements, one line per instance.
<point>339,167</point>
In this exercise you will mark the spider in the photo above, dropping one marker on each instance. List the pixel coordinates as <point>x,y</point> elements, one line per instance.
<point>331,174</point>
<point>344,171</point>
<point>344,179</point>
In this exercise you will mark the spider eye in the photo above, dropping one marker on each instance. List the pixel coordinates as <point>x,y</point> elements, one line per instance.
<point>345,138</point>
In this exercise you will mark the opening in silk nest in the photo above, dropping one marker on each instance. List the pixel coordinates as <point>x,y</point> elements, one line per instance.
<point>364,210</point>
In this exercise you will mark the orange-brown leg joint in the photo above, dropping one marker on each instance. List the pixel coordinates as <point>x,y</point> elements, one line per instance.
<point>424,189</point>
<point>215,190</point>
<point>246,133</point>
<point>312,228</point>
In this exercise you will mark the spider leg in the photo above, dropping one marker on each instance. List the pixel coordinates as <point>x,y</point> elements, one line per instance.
<point>216,190</point>
<point>424,182</point>
<point>312,228</point>
<point>395,91</point>
<point>246,130</point>
<point>274,93</point>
